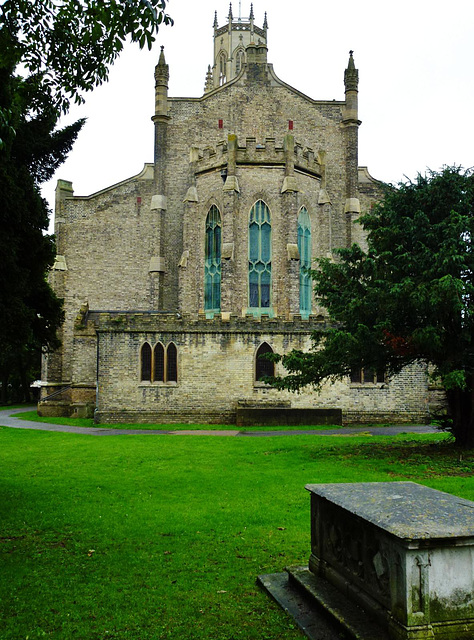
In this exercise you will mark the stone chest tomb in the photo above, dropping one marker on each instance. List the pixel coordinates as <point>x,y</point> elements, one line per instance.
<point>401,553</point>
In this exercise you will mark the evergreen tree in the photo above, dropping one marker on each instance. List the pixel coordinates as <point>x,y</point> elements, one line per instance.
<point>63,48</point>
<point>408,298</point>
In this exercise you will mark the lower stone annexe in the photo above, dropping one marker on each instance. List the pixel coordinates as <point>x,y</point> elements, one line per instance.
<point>216,372</point>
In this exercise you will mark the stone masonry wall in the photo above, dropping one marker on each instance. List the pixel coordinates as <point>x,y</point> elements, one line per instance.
<point>216,372</point>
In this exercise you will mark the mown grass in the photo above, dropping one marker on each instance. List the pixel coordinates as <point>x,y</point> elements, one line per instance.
<point>154,538</point>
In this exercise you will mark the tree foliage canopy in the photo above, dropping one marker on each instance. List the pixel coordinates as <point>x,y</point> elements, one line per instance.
<point>70,44</point>
<point>51,53</point>
<point>408,298</point>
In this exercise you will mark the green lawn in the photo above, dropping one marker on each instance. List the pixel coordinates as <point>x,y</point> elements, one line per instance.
<point>154,537</point>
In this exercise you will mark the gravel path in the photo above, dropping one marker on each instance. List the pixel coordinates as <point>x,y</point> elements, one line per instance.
<point>8,419</point>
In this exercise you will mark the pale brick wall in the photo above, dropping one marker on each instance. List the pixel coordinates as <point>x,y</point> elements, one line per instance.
<point>110,239</point>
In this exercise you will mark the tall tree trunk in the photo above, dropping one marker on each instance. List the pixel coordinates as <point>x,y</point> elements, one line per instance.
<point>24,381</point>
<point>4,395</point>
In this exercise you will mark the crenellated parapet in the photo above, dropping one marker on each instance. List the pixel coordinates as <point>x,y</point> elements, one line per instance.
<point>253,153</point>
<point>166,322</point>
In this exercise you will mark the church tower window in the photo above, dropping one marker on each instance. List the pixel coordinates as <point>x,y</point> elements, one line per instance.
<point>304,249</point>
<point>263,367</point>
<point>239,61</point>
<point>222,68</point>
<point>260,256</point>
<point>212,262</point>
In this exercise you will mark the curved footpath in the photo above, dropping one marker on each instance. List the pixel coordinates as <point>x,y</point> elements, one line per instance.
<point>8,419</point>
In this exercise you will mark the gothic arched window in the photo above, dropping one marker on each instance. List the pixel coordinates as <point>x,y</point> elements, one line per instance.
<point>304,249</point>
<point>145,363</point>
<point>263,367</point>
<point>212,261</point>
<point>222,68</point>
<point>239,61</point>
<point>260,256</point>
<point>171,363</point>
<point>159,363</point>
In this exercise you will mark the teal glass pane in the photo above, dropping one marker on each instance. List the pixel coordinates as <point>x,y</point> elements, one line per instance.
<point>304,248</point>
<point>212,261</point>
<point>260,252</point>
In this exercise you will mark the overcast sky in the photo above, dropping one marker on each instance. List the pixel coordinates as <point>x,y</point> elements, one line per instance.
<point>416,82</point>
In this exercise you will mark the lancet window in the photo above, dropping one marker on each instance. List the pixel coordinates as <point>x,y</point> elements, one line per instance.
<point>159,364</point>
<point>304,249</point>
<point>212,261</point>
<point>263,367</point>
<point>260,256</point>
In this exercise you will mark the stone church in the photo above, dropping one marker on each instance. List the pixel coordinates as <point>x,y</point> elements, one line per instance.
<point>178,279</point>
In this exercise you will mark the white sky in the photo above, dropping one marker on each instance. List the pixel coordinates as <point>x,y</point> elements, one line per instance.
<point>416,84</point>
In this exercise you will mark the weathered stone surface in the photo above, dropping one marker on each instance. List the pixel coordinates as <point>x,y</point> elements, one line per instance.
<point>402,551</point>
<point>136,251</point>
<point>407,510</point>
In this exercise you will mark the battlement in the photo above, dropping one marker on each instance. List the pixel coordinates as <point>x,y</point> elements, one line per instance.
<point>159,321</point>
<point>266,153</point>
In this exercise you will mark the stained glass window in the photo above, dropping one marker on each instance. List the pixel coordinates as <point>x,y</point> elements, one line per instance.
<point>260,256</point>
<point>212,261</point>
<point>304,248</point>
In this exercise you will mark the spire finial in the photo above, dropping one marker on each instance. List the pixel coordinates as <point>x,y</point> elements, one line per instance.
<point>351,74</point>
<point>209,84</point>
<point>215,25</point>
<point>162,60</point>
<point>252,17</point>
<point>265,23</point>
<point>230,11</point>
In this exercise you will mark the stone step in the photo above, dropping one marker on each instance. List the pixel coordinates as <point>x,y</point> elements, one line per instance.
<point>356,623</point>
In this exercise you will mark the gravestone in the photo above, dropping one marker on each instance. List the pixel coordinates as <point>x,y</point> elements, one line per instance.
<point>398,555</point>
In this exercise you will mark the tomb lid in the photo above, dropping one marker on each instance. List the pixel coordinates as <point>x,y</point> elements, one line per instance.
<point>407,510</point>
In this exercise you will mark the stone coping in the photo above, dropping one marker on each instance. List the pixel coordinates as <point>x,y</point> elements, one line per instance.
<point>407,510</point>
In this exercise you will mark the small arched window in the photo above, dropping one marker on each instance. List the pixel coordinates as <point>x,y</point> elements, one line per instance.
<point>263,367</point>
<point>304,249</point>
<point>145,363</point>
<point>212,261</point>
<point>260,256</point>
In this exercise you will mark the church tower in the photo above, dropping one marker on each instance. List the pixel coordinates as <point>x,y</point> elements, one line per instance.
<point>230,42</point>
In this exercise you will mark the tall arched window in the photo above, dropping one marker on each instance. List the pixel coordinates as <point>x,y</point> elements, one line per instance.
<point>239,61</point>
<point>159,363</point>
<point>263,367</point>
<point>222,68</point>
<point>260,256</point>
<point>145,363</point>
<point>212,261</point>
<point>171,363</point>
<point>304,248</point>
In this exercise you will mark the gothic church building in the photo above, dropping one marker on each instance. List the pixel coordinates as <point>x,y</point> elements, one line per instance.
<point>176,280</point>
